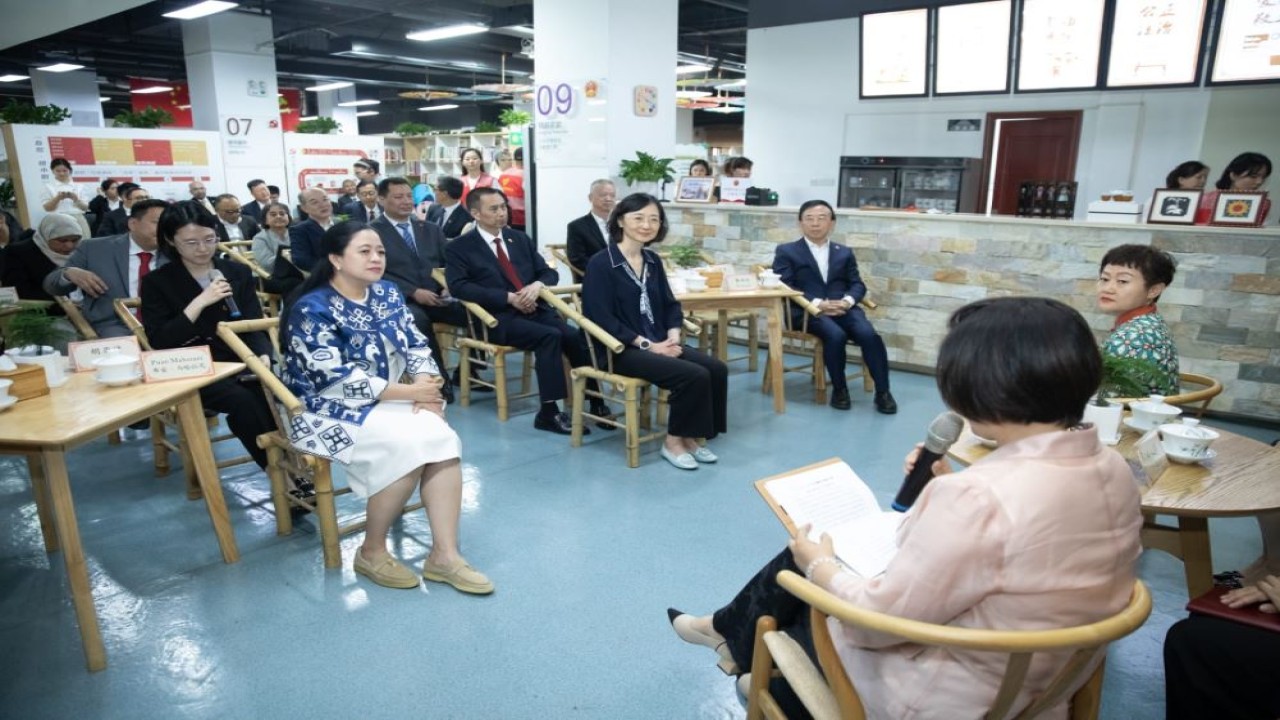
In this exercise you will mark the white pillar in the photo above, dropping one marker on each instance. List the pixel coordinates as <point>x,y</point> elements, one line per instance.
<point>620,45</point>
<point>231,70</point>
<point>76,91</point>
<point>327,106</point>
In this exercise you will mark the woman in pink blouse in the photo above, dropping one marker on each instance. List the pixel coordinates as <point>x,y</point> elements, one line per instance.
<point>473,173</point>
<point>1040,534</point>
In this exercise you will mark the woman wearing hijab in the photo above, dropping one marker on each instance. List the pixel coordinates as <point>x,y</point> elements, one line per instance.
<point>26,264</point>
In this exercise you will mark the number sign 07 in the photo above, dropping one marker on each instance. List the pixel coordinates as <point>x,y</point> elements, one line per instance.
<point>554,101</point>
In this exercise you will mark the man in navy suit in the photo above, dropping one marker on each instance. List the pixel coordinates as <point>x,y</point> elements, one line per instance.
<point>414,249</point>
<point>446,211</point>
<point>827,273</point>
<point>256,209</point>
<point>304,237</point>
<point>366,208</point>
<point>500,269</point>
<point>587,235</point>
<point>232,223</point>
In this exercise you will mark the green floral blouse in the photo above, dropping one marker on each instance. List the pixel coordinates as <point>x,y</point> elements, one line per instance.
<point>1147,337</point>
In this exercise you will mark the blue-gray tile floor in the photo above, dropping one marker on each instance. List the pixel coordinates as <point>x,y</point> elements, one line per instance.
<point>586,555</point>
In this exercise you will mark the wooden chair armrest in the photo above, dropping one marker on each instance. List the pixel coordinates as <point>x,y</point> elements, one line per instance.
<point>553,299</point>
<point>125,308</point>
<point>72,311</point>
<point>810,306</point>
<point>227,331</point>
<point>479,313</point>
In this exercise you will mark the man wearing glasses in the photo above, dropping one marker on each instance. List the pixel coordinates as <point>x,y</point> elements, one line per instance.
<point>447,212</point>
<point>304,237</point>
<point>233,224</point>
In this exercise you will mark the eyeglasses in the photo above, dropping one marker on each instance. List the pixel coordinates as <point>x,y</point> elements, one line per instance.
<point>193,244</point>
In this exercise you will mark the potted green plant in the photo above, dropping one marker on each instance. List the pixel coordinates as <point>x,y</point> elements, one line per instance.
<point>487,126</point>
<point>1127,377</point>
<point>646,172</point>
<point>406,129</point>
<point>318,126</point>
<point>685,256</point>
<point>514,118</point>
<point>20,113</point>
<point>8,198</point>
<point>149,117</point>
<point>32,337</point>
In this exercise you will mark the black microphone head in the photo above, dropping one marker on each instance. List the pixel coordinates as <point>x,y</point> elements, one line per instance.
<point>943,432</point>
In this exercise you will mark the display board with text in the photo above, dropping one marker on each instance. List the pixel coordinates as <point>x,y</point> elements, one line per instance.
<point>895,48</point>
<point>1060,44</point>
<point>1156,44</point>
<point>1248,43</point>
<point>324,161</point>
<point>973,48</point>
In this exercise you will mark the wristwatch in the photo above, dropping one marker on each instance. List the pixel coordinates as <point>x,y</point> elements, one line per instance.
<point>645,343</point>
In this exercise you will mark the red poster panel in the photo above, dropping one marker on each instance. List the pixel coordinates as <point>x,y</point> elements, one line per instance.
<point>152,152</point>
<point>78,150</point>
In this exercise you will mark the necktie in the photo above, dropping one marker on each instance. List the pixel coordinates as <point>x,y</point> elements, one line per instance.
<point>508,269</point>
<point>144,267</point>
<point>444,216</point>
<point>408,237</point>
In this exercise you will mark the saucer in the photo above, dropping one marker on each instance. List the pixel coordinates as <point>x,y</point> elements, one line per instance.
<point>7,402</point>
<point>122,382</point>
<point>1188,459</point>
<point>1133,424</point>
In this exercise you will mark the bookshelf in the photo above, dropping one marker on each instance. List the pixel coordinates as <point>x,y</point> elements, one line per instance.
<point>436,155</point>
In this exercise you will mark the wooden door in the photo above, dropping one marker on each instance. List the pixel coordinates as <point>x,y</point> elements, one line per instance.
<point>1027,146</point>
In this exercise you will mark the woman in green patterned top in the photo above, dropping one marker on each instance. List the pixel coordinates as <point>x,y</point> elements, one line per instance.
<point>1130,281</point>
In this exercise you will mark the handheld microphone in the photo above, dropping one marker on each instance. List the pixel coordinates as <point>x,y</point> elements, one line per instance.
<point>214,276</point>
<point>943,432</point>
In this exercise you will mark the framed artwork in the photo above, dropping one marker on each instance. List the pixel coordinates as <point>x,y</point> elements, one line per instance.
<point>695,189</point>
<point>1174,207</point>
<point>894,54</point>
<point>1239,209</point>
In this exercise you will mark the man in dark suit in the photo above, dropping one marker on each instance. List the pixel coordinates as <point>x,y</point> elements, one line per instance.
<point>257,208</point>
<point>501,270</point>
<point>588,234</point>
<point>116,222</point>
<point>232,224</point>
<point>827,273</point>
<point>347,196</point>
<point>366,209</point>
<point>304,237</point>
<point>446,211</point>
<point>414,249</point>
<point>110,268</point>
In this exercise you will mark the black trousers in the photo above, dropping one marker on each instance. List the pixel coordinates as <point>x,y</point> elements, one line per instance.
<point>423,316</point>
<point>246,409</point>
<point>549,337</point>
<point>699,386</point>
<point>1216,668</point>
<point>836,331</point>
<point>762,595</point>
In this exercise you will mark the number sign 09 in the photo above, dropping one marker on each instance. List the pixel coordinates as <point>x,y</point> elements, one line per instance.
<point>554,101</point>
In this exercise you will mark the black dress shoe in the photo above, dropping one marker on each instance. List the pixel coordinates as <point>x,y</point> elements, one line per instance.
<point>885,403</point>
<point>840,399</point>
<point>558,423</point>
<point>604,412</point>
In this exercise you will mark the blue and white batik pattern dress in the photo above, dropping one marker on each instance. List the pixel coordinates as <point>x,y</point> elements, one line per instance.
<point>341,356</point>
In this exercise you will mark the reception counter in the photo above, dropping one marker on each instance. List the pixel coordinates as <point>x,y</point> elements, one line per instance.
<point>1223,307</point>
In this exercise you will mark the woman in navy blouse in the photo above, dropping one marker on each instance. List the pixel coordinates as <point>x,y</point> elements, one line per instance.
<point>625,291</point>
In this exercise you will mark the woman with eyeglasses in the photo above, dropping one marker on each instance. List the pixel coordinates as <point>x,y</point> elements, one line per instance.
<point>184,300</point>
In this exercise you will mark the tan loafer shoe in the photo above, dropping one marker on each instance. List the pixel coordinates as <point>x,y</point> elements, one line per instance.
<point>461,576</point>
<point>386,572</point>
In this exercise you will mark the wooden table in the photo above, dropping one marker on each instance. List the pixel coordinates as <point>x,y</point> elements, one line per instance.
<point>769,300</point>
<point>1240,481</point>
<point>45,428</point>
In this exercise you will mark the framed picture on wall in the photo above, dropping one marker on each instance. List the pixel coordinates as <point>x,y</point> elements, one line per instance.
<point>894,54</point>
<point>1239,209</point>
<point>1174,207</point>
<point>695,189</point>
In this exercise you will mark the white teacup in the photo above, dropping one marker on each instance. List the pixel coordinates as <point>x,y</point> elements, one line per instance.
<point>116,367</point>
<point>1150,413</point>
<point>4,388</point>
<point>1190,441</point>
<point>695,283</point>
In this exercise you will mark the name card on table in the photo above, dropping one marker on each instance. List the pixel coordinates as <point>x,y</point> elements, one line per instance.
<point>177,364</point>
<point>740,282</point>
<point>8,295</point>
<point>1151,456</point>
<point>734,190</point>
<point>84,353</point>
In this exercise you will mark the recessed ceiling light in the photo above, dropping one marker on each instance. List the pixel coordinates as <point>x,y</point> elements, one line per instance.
<point>692,94</point>
<point>686,69</point>
<point>201,9</point>
<point>725,109</point>
<point>359,103</point>
<point>742,82</point>
<point>450,31</point>
<point>429,108</point>
<point>14,78</point>
<point>61,67</point>
<point>308,117</point>
<point>330,86</point>
<point>366,113</point>
<point>151,90</point>
<point>520,30</point>
<point>104,99</point>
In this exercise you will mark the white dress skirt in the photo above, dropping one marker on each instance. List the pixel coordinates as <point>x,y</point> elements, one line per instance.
<point>393,440</point>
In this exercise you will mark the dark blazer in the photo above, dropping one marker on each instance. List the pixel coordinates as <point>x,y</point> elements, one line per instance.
<point>584,241</point>
<point>408,270</point>
<point>611,299</point>
<point>252,209</point>
<point>99,207</point>
<point>361,213</point>
<point>304,243</point>
<point>472,271</point>
<point>249,229</point>
<point>168,290</point>
<point>457,220</point>
<point>799,271</point>
<point>344,203</point>
<point>108,258</point>
<point>25,269</point>
<point>115,222</point>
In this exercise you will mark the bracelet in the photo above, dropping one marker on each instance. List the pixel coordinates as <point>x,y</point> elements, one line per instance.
<point>824,560</point>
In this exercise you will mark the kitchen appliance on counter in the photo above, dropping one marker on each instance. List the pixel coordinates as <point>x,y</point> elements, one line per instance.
<point>917,183</point>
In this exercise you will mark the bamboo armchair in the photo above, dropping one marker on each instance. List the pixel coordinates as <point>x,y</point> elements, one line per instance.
<point>1208,389</point>
<point>241,251</point>
<point>560,253</point>
<point>85,331</point>
<point>632,393</point>
<point>799,341</point>
<point>283,460</point>
<point>832,695</point>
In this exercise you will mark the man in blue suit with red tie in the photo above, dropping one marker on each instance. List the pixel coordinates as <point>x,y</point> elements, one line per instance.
<point>501,270</point>
<point>827,273</point>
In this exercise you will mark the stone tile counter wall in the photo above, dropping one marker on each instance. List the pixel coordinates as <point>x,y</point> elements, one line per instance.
<point>1223,307</point>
